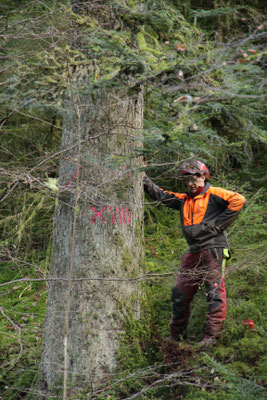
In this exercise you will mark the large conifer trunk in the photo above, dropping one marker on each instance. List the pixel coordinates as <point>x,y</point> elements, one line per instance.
<point>97,230</point>
<point>80,344</point>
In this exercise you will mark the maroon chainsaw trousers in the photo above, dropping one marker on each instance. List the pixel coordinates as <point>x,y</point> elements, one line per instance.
<point>197,268</point>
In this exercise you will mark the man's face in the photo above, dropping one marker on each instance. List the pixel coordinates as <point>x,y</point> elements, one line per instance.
<point>193,182</point>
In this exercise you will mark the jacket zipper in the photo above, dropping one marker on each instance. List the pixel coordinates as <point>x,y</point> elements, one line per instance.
<point>192,213</point>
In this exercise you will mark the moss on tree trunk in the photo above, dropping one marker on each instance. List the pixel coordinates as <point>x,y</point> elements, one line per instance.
<point>107,245</point>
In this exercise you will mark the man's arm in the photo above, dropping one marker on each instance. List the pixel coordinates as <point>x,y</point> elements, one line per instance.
<point>233,202</point>
<point>169,199</point>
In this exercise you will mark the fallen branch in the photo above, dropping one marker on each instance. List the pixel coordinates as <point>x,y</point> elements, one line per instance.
<point>121,279</point>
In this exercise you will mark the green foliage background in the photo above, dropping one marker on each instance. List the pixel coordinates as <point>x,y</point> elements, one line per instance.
<point>219,70</point>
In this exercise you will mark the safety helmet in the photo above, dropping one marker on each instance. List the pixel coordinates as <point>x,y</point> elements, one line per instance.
<point>193,167</point>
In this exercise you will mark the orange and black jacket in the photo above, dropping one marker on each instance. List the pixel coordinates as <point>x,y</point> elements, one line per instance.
<point>204,217</point>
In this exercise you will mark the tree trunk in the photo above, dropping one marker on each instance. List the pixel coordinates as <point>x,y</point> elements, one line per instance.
<point>85,318</point>
<point>98,235</point>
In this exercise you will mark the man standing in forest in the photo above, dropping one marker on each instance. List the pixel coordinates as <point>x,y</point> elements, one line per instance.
<point>206,212</point>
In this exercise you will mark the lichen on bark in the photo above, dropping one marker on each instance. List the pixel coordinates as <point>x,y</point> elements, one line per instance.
<point>106,246</point>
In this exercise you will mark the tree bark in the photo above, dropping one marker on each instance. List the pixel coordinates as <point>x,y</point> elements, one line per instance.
<point>106,245</point>
<point>98,235</point>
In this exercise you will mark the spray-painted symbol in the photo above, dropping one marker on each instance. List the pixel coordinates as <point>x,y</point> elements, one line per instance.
<point>98,214</point>
<point>129,172</point>
<point>73,176</point>
<point>125,215</point>
<point>113,216</point>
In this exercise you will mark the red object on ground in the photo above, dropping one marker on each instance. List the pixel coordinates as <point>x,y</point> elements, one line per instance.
<point>249,323</point>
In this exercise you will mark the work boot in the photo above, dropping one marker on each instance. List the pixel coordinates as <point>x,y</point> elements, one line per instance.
<point>171,339</point>
<point>206,341</point>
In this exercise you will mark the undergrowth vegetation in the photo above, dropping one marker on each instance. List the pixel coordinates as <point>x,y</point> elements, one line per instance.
<point>201,67</point>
